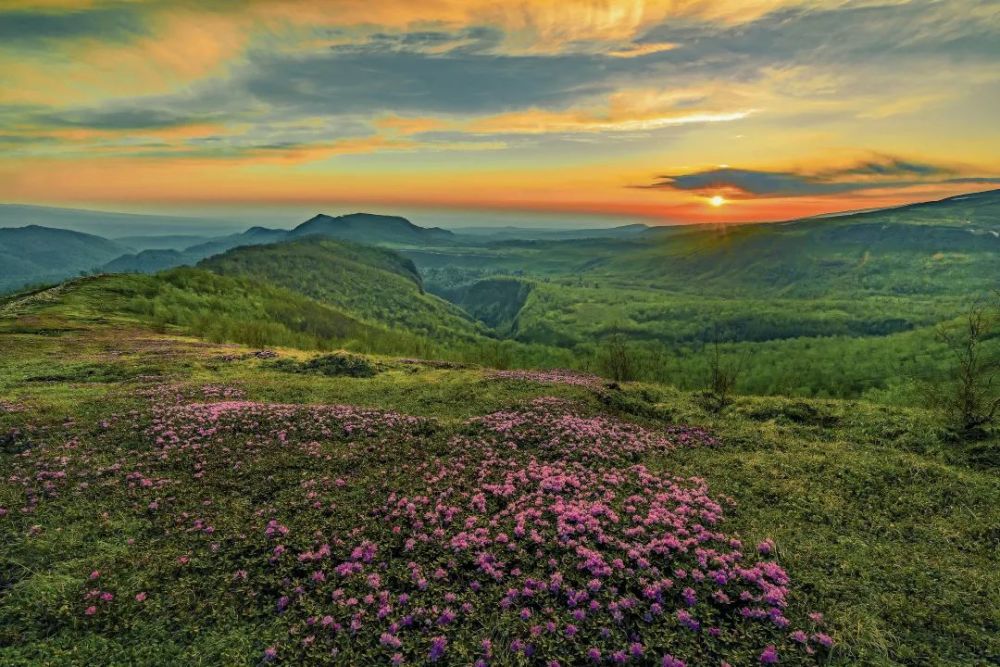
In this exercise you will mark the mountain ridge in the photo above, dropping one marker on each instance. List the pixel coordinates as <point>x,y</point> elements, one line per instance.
<point>953,224</point>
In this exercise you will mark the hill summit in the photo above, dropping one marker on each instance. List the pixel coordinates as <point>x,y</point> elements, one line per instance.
<point>370,228</point>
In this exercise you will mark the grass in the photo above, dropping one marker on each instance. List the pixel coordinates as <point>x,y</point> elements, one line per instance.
<point>883,526</point>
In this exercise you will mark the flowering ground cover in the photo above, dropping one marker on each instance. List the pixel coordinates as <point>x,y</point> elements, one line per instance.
<point>533,535</point>
<point>557,376</point>
<point>208,512</point>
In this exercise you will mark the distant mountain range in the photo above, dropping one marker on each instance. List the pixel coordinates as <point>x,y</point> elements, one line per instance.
<point>762,252</point>
<point>35,254</point>
<point>112,225</point>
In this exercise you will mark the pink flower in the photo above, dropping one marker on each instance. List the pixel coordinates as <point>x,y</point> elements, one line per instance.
<point>90,611</point>
<point>769,656</point>
<point>140,597</point>
<point>438,645</point>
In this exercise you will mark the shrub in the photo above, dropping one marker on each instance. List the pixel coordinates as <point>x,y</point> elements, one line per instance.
<point>969,398</point>
<point>616,359</point>
<point>339,364</point>
<point>722,377</point>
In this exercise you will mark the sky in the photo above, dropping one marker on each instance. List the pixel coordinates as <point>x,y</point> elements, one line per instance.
<point>666,111</point>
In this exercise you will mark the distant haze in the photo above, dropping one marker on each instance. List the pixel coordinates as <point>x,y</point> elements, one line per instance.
<point>213,220</point>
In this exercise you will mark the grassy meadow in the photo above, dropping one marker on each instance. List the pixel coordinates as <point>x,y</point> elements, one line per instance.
<point>159,487</point>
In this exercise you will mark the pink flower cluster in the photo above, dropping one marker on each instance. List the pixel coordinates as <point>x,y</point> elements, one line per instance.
<point>551,430</point>
<point>556,376</point>
<point>528,536</point>
<point>533,527</point>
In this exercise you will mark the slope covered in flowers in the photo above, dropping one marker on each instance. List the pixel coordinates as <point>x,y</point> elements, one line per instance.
<point>330,533</point>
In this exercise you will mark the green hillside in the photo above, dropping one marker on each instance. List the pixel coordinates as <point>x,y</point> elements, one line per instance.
<point>176,494</point>
<point>217,308</point>
<point>35,254</point>
<point>378,285</point>
<point>836,306</point>
<point>310,294</point>
<point>169,500</point>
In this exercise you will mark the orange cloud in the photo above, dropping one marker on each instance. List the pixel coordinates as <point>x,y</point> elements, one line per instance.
<point>637,50</point>
<point>538,121</point>
<point>409,125</point>
<point>624,111</point>
<point>530,25</point>
<point>184,45</point>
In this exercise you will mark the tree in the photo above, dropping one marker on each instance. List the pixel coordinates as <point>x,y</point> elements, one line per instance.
<point>497,354</point>
<point>969,397</point>
<point>722,378</point>
<point>616,358</point>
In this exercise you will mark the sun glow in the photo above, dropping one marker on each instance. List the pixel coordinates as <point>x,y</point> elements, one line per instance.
<point>717,201</point>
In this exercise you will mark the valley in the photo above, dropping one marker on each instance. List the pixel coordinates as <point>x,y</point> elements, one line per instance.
<point>830,307</point>
<point>296,447</point>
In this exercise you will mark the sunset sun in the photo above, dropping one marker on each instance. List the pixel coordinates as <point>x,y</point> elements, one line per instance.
<point>717,201</point>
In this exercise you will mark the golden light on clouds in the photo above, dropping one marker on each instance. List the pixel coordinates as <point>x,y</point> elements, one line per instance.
<point>622,106</point>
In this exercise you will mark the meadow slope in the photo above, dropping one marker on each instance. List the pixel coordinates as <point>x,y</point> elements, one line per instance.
<point>170,500</point>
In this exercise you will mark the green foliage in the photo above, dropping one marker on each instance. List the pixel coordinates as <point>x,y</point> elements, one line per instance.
<point>378,286</point>
<point>349,365</point>
<point>616,358</point>
<point>882,524</point>
<point>495,302</point>
<point>722,380</point>
<point>969,397</point>
<point>34,254</point>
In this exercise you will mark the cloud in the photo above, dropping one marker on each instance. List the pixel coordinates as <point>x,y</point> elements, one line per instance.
<point>888,166</point>
<point>877,172</point>
<point>643,49</point>
<point>120,119</point>
<point>39,28</point>
<point>555,82</point>
<point>846,33</point>
<point>537,121</point>
<point>373,79</point>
